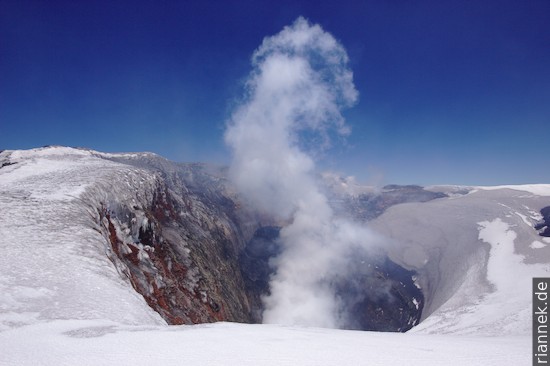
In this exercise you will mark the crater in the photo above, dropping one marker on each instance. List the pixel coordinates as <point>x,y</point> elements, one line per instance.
<point>375,294</point>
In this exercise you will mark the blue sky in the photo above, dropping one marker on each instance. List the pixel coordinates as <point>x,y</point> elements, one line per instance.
<point>451,92</point>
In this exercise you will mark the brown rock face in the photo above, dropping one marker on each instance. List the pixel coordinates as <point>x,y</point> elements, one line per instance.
<point>181,254</point>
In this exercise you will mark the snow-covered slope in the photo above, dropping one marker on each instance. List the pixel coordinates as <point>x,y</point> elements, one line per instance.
<point>54,262</point>
<point>83,343</point>
<point>475,255</point>
<point>122,237</point>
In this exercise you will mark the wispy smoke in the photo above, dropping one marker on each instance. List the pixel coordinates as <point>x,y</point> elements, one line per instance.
<point>299,83</point>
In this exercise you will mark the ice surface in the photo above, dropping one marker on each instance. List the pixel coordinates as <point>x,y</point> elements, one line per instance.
<point>537,245</point>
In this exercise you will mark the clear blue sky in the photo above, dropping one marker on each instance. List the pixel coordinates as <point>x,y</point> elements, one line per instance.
<point>450,91</point>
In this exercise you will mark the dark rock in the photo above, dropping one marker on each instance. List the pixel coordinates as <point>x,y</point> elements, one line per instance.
<point>255,268</point>
<point>380,296</point>
<point>543,227</point>
<point>368,206</point>
<point>7,163</point>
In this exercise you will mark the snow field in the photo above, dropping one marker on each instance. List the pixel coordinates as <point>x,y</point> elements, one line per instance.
<point>85,343</point>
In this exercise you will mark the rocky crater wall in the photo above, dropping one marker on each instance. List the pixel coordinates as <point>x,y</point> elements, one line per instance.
<point>197,254</point>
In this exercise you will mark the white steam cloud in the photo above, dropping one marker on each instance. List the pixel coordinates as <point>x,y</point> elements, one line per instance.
<point>299,84</point>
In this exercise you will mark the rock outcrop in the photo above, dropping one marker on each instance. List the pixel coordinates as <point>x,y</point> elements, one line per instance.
<point>543,227</point>
<point>180,250</point>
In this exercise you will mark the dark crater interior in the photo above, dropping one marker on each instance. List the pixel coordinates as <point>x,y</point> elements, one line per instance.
<point>375,294</point>
<point>543,227</point>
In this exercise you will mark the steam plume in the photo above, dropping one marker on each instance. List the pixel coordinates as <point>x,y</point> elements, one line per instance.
<point>299,83</point>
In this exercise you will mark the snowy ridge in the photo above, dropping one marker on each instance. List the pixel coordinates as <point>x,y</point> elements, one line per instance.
<point>476,254</point>
<point>54,262</point>
<point>535,189</point>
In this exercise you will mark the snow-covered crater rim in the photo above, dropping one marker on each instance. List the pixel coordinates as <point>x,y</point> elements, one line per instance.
<point>536,189</point>
<point>65,151</point>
